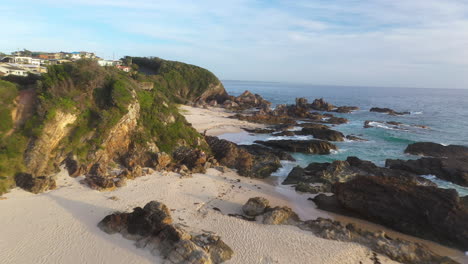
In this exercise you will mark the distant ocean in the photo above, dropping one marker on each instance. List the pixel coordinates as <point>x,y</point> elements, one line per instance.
<point>444,111</point>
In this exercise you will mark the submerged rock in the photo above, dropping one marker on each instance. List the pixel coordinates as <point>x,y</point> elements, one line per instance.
<point>345,109</point>
<point>304,146</point>
<point>387,111</point>
<point>424,211</point>
<point>152,228</point>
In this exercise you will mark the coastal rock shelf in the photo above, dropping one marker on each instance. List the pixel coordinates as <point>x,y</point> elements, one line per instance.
<point>152,228</point>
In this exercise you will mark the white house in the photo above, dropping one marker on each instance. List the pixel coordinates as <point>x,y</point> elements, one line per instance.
<point>7,69</point>
<point>109,62</point>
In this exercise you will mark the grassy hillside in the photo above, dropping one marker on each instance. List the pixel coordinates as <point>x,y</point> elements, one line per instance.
<point>99,97</point>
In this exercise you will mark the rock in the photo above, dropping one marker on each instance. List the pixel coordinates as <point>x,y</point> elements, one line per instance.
<point>387,111</point>
<point>323,133</point>
<point>259,150</point>
<point>152,227</point>
<point>307,188</point>
<point>255,206</point>
<point>345,109</point>
<point>193,159</point>
<point>454,170</point>
<point>396,249</point>
<point>335,120</point>
<point>392,125</point>
<point>246,100</point>
<point>355,138</point>
<point>34,184</point>
<point>341,171</point>
<point>304,146</point>
<point>321,105</point>
<point>259,130</point>
<point>247,164</point>
<point>313,126</point>
<point>98,179</point>
<point>424,211</point>
<point>437,150</point>
<point>73,167</point>
<point>280,216</point>
<point>331,204</point>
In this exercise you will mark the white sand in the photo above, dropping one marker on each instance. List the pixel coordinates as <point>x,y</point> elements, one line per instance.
<point>215,121</point>
<point>60,226</point>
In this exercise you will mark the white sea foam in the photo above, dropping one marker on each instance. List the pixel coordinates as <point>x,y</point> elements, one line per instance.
<point>380,125</point>
<point>295,129</point>
<point>417,113</point>
<point>292,137</point>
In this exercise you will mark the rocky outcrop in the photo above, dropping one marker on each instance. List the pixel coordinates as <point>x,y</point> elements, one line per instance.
<point>34,184</point>
<point>387,111</point>
<point>424,211</point>
<point>394,248</point>
<point>39,152</point>
<point>324,134</point>
<point>453,170</point>
<point>152,228</point>
<point>246,100</point>
<point>431,149</point>
<point>326,174</point>
<point>304,146</point>
<point>195,160</point>
<point>233,156</point>
<point>321,105</point>
<point>355,138</point>
<point>118,141</point>
<point>258,150</point>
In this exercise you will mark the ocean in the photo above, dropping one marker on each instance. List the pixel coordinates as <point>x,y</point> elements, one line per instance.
<point>443,111</point>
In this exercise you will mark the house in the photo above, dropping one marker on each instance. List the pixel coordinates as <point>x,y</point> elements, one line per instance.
<point>124,68</point>
<point>8,69</point>
<point>17,59</point>
<point>109,62</point>
<point>50,56</point>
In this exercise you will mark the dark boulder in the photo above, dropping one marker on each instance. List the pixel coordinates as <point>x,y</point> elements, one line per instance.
<point>194,159</point>
<point>304,146</point>
<point>255,206</point>
<point>453,170</point>
<point>321,105</point>
<point>233,156</point>
<point>355,138</point>
<point>259,150</point>
<point>34,184</point>
<point>152,227</point>
<point>322,133</point>
<point>437,150</point>
<point>341,171</point>
<point>424,211</point>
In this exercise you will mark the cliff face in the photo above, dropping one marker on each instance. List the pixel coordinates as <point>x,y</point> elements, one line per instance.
<point>40,150</point>
<point>93,117</point>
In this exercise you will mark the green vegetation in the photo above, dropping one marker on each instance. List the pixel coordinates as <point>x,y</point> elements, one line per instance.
<point>180,82</point>
<point>100,97</point>
<point>12,144</point>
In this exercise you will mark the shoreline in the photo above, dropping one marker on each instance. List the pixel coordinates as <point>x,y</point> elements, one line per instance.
<point>51,223</point>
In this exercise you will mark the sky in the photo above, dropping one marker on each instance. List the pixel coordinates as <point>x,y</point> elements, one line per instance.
<point>392,43</point>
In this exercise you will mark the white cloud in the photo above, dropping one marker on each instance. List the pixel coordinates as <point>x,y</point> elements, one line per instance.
<point>380,42</point>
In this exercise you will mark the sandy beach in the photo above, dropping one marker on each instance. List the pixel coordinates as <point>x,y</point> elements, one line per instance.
<point>60,226</point>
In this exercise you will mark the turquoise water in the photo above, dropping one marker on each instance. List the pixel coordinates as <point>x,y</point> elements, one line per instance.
<point>444,111</point>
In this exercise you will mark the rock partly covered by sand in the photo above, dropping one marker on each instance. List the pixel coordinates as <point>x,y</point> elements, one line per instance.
<point>396,249</point>
<point>152,228</point>
<point>249,161</point>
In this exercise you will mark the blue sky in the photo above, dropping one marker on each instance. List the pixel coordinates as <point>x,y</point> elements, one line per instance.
<point>406,43</point>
